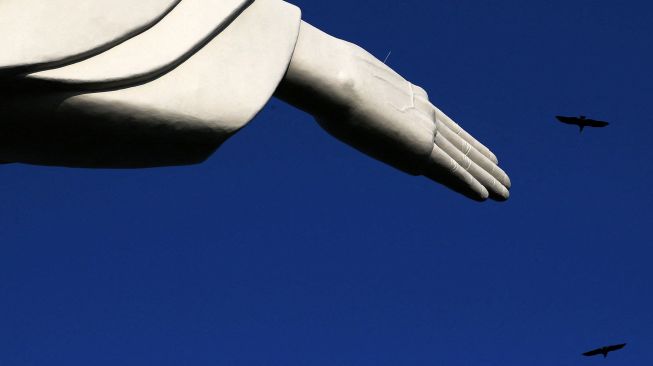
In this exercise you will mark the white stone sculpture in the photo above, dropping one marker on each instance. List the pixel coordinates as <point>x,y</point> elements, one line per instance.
<point>129,84</point>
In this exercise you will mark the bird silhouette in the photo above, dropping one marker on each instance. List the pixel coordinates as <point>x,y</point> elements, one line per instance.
<point>604,350</point>
<point>581,122</point>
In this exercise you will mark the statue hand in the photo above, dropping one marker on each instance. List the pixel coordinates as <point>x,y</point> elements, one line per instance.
<point>381,114</point>
<point>363,102</point>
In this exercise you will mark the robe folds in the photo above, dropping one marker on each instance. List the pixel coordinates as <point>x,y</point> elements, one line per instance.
<point>131,84</point>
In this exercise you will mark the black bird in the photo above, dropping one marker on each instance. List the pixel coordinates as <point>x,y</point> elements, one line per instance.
<point>604,350</point>
<point>581,122</point>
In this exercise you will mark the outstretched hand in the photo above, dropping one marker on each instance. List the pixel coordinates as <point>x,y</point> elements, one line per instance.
<point>363,102</point>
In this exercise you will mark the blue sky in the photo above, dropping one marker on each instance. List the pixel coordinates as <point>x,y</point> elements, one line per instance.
<point>289,248</point>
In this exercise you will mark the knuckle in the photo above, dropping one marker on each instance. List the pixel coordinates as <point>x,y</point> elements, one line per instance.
<point>420,92</point>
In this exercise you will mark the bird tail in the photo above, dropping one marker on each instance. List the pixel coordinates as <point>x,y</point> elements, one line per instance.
<point>581,128</point>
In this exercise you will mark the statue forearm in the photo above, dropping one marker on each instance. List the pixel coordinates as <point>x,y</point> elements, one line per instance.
<point>318,77</point>
<point>357,98</point>
<point>326,72</point>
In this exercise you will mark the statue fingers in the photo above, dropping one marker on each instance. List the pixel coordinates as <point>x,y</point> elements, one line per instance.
<point>445,170</point>
<point>496,190</point>
<point>463,134</point>
<point>464,162</point>
<point>476,156</point>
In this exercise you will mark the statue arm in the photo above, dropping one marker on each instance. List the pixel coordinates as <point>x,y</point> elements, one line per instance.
<point>184,114</point>
<point>361,101</point>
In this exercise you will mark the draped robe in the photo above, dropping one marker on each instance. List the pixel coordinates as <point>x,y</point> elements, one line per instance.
<point>130,84</point>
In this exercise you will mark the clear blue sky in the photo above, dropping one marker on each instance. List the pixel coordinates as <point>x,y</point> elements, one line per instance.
<point>289,248</point>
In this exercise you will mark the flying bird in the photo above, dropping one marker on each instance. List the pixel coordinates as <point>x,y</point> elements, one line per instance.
<point>604,350</point>
<point>581,122</point>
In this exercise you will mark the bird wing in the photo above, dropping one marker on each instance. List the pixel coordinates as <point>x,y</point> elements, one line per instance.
<point>616,347</point>
<point>569,120</point>
<point>595,123</point>
<point>593,352</point>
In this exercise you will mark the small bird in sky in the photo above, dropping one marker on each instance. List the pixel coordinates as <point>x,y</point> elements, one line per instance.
<point>604,350</point>
<point>581,122</point>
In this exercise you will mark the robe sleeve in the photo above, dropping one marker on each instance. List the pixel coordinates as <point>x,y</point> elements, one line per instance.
<point>169,95</point>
